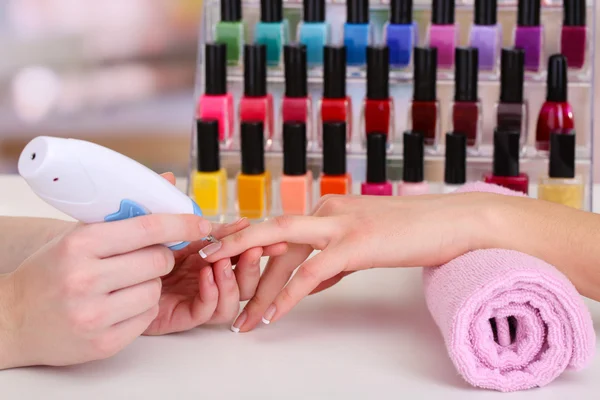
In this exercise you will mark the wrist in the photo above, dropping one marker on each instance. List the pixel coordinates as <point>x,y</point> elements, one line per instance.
<point>8,328</point>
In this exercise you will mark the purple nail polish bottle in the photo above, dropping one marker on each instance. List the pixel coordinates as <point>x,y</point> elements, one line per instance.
<point>529,33</point>
<point>443,33</point>
<point>486,34</point>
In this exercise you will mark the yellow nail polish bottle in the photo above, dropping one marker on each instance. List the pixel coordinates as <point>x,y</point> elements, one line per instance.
<point>210,180</point>
<point>562,185</point>
<point>253,182</point>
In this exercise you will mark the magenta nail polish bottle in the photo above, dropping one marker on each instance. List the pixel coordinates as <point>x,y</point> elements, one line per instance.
<point>529,34</point>
<point>574,34</point>
<point>376,183</point>
<point>443,33</point>
<point>486,35</point>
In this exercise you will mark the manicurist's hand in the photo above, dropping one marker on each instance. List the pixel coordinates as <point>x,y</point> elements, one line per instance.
<point>353,233</point>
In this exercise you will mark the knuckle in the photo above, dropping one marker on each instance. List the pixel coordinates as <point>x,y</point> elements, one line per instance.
<point>85,321</point>
<point>72,244</point>
<point>78,284</point>
<point>154,291</point>
<point>163,260</point>
<point>105,346</point>
<point>286,296</point>
<point>309,274</point>
<point>332,204</point>
<point>150,224</point>
<point>283,222</point>
<point>238,237</point>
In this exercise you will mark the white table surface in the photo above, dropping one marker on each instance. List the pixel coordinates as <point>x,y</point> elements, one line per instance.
<point>369,337</point>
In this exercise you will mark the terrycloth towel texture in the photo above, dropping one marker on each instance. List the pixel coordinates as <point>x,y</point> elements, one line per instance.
<point>510,321</point>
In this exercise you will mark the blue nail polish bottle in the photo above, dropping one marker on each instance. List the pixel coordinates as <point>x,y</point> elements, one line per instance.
<point>272,30</point>
<point>401,33</point>
<point>357,32</point>
<point>313,31</point>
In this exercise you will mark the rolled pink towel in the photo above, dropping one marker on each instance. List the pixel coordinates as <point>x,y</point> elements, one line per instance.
<point>510,321</point>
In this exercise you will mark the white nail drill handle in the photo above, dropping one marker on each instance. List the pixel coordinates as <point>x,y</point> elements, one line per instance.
<point>94,184</point>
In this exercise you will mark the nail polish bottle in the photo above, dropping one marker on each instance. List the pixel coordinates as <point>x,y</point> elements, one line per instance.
<point>401,33</point>
<point>378,107</point>
<point>335,179</point>
<point>314,31</point>
<point>272,30</point>
<point>256,104</point>
<point>443,33</point>
<point>511,110</point>
<point>335,106</point>
<point>296,105</point>
<point>529,33</point>
<point>455,170</point>
<point>562,185</point>
<point>376,183</point>
<point>466,109</point>
<point>486,34</point>
<point>357,32</point>
<point>556,113</point>
<point>209,180</point>
<point>230,30</point>
<point>424,110</point>
<point>253,182</point>
<point>505,170</point>
<point>413,182</point>
<point>216,103</point>
<point>296,182</point>
<point>574,34</point>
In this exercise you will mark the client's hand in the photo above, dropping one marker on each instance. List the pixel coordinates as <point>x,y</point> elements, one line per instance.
<point>354,233</point>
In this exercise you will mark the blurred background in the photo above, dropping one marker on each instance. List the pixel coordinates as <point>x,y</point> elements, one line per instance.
<point>117,72</point>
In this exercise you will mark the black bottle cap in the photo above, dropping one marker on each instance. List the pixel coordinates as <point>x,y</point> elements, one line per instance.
<point>253,150</point>
<point>506,152</point>
<point>424,88</point>
<point>414,148</point>
<point>378,72</point>
<point>574,12</point>
<point>528,13</point>
<point>401,12</point>
<point>231,10</point>
<point>215,72</point>
<point>294,59</point>
<point>486,12</point>
<point>455,172</point>
<point>376,162</point>
<point>207,134</point>
<point>512,72</point>
<point>314,10</point>
<point>334,148</point>
<point>271,10</point>
<point>442,12</point>
<point>255,70</point>
<point>357,11</point>
<point>466,74</point>
<point>334,72</point>
<point>556,86</point>
<point>294,148</point>
<point>562,155</point>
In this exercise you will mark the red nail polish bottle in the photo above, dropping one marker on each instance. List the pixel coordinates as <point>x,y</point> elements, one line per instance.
<point>335,105</point>
<point>257,105</point>
<point>296,105</point>
<point>216,103</point>
<point>378,107</point>
<point>424,110</point>
<point>505,172</point>
<point>556,113</point>
<point>466,109</point>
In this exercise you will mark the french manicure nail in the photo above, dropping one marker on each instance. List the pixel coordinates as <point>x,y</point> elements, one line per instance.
<point>210,249</point>
<point>228,271</point>
<point>268,316</point>
<point>239,321</point>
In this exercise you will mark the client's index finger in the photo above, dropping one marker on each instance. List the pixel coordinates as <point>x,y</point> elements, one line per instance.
<point>120,237</point>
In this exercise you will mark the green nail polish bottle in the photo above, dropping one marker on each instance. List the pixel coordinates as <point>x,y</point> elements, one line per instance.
<point>230,30</point>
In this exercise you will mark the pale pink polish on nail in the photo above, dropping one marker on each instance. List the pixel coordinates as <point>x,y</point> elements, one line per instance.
<point>269,314</point>
<point>210,249</point>
<point>239,321</point>
<point>228,271</point>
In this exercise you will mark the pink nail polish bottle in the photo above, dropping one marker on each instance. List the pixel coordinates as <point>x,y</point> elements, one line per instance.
<point>377,183</point>
<point>413,182</point>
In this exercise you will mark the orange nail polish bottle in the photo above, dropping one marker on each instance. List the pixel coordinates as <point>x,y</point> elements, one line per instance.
<point>335,179</point>
<point>296,182</point>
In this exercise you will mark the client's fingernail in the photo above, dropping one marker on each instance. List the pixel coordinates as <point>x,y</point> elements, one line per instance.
<point>211,277</point>
<point>210,249</point>
<point>205,227</point>
<point>239,321</point>
<point>228,271</point>
<point>234,223</point>
<point>266,319</point>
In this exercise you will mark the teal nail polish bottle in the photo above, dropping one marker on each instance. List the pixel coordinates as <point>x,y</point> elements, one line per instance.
<point>313,31</point>
<point>230,30</point>
<point>272,30</point>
